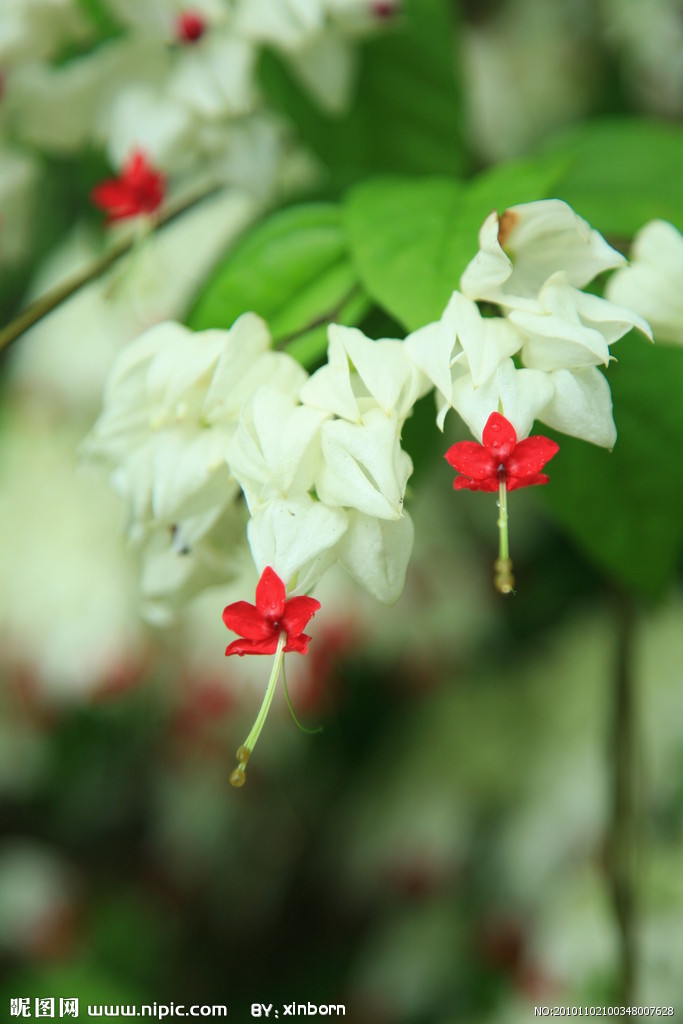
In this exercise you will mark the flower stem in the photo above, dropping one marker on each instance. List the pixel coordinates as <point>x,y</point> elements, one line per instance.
<point>624,828</point>
<point>503,580</point>
<point>238,775</point>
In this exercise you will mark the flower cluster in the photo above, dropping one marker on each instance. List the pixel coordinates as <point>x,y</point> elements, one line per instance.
<point>538,358</point>
<point>171,408</point>
<point>324,476</point>
<point>193,424</point>
<point>176,83</point>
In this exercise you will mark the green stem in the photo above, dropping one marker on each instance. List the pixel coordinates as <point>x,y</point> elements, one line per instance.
<point>304,728</point>
<point>504,546</point>
<point>503,580</point>
<point>250,741</point>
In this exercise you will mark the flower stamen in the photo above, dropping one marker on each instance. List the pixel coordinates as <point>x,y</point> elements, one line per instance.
<point>238,776</point>
<point>503,580</point>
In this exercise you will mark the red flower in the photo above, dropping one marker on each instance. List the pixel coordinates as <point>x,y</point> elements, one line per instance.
<point>261,624</point>
<point>189,27</point>
<point>384,8</point>
<point>138,189</point>
<point>500,459</point>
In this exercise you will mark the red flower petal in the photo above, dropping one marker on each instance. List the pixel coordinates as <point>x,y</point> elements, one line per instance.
<point>190,26</point>
<point>243,618</point>
<point>499,437</point>
<point>298,611</point>
<point>515,482</point>
<point>462,483</point>
<point>297,643</point>
<point>270,595</point>
<point>242,647</point>
<point>472,459</point>
<point>531,455</point>
<point>138,189</point>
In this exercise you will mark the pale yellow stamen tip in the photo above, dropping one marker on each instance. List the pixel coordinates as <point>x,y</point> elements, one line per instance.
<point>238,776</point>
<point>503,580</point>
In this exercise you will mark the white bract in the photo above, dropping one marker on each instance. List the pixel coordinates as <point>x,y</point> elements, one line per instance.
<point>572,328</point>
<point>653,283</point>
<point>171,406</point>
<point>529,243</point>
<point>319,475</point>
<point>533,262</point>
<point>383,376</point>
<point>276,449</point>
<point>364,466</point>
<point>193,422</point>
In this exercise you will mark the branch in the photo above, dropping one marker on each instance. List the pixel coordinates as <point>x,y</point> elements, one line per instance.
<point>56,296</point>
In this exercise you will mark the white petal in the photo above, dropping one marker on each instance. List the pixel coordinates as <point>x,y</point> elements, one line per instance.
<point>364,466</point>
<point>518,394</point>
<point>391,378</point>
<point>276,449</point>
<point>488,271</point>
<point>376,552</point>
<point>433,347</point>
<point>327,67</point>
<point>581,406</point>
<point>486,341</point>
<point>297,537</point>
<point>652,283</point>
<point>539,239</point>
<point>214,78</point>
<point>611,320</point>
<point>329,388</point>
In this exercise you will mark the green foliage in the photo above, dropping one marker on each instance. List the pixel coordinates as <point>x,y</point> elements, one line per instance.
<point>412,238</point>
<point>622,173</point>
<point>406,112</point>
<point>294,270</point>
<point>624,507</point>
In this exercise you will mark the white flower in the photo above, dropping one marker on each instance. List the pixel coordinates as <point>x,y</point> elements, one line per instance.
<point>653,283</point>
<point>287,24</point>
<point>364,466</point>
<point>572,328</point>
<point>275,451</point>
<point>581,406</point>
<point>462,344</point>
<point>213,78</point>
<point>382,373</point>
<point>519,395</point>
<point>170,408</point>
<point>176,566</point>
<point>35,28</point>
<point>376,552</point>
<point>529,243</point>
<point>297,538</point>
<point>158,18</point>
<point>147,118</point>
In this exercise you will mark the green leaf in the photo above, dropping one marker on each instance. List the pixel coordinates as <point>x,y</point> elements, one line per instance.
<point>624,507</point>
<point>293,269</point>
<point>622,173</point>
<point>405,115</point>
<point>412,238</point>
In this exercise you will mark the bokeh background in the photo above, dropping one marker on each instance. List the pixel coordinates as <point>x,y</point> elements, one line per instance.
<point>447,849</point>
